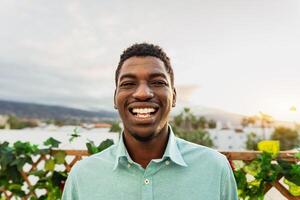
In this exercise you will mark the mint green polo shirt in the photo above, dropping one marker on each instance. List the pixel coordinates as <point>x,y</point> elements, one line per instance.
<point>186,171</point>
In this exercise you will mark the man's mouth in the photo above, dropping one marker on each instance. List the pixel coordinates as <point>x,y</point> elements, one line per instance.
<point>143,113</point>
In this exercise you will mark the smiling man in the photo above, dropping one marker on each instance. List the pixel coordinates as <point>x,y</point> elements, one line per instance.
<point>150,162</point>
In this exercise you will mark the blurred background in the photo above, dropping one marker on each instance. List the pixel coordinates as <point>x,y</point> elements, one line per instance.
<point>236,66</point>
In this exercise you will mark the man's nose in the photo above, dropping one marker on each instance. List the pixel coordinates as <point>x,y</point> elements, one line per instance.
<point>143,92</point>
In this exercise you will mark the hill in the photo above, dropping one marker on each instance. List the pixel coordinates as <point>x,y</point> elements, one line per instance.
<point>40,111</point>
<point>215,114</point>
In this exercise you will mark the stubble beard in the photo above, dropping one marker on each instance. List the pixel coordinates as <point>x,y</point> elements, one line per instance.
<point>148,137</point>
<point>143,139</point>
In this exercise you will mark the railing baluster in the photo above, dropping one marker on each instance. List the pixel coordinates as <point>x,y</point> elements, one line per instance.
<point>246,156</point>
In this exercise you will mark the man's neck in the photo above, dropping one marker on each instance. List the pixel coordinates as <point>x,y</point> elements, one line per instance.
<point>143,152</point>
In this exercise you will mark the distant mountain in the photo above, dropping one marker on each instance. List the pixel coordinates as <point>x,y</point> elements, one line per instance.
<point>215,114</point>
<point>219,115</point>
<point>225,117</point>
<point>39,111</point>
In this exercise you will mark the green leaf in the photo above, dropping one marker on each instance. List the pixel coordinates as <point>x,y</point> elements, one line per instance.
<point>74,135</point>
<point>3,181</point>
<point>241,180</point>
<point>294,174</point>
<point>92,149</point>
<point>293,188</point>
<point>253,168</point>
<point>58,178</point>
<point>4,145</point>
<point>105,144</point>
<point>59,157</point>
<point>49,165</point>
<point>297,155</point>
<point>20,162</point>
<point>52,142</point>
<point>285,167</point>
<point>14,187</point>
<point>24,148</point>
<point>41,184</point>
<point>6,157</point>
<point>43,197</point>
<point>44,151</point>
<point>14,175</point>
<point>38,173</point>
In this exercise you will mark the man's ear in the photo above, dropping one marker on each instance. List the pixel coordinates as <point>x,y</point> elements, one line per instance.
<point>115,105</point>
<point>174,98</point>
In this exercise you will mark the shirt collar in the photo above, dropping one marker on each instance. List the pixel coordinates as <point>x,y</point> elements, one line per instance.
<point>121,151</point>
<point>172,151</point>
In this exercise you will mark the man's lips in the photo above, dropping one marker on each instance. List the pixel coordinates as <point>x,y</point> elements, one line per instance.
<point>141,106</point>
<point>142,111</point>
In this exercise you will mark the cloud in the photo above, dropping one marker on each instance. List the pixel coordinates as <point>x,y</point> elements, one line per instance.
<point>184,92</point>
<point>66,52</point>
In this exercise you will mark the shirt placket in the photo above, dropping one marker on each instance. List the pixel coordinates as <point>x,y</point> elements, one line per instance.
<point>147,188</point>
<point>147,185</point>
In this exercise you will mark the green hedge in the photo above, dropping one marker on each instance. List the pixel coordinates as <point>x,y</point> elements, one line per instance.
<point>13,158</point>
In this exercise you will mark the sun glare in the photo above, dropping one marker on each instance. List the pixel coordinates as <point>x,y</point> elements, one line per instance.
<point>293,109</point>
<point>284,111</point>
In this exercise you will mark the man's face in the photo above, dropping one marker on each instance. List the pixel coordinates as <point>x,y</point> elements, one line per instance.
<point>144,97</point>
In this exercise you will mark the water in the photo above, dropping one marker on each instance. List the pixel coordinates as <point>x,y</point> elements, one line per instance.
<point>62,134</point>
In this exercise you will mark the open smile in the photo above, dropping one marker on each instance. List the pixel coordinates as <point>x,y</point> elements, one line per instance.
<point>143,112</point>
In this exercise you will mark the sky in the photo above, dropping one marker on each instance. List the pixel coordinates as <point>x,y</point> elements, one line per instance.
<point>241,56</point>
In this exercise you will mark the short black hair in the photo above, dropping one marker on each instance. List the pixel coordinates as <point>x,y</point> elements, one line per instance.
<point>143,50</point>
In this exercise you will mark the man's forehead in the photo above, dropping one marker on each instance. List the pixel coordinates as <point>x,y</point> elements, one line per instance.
<point>152,74</point>
<point>143,66</point>
<point>142,60</point>
<point>139,65</point>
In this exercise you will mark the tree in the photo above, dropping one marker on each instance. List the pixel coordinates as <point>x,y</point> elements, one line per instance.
<point>252,141</point>
<point>248,120</point>
<point>212,124</point>
<point>265,120</point>
<point>16,123</point>
<point>202,122</point>
<point>289,138</point>
<point>198,136</point>
<point>115,127</point>
<point>187,126</point>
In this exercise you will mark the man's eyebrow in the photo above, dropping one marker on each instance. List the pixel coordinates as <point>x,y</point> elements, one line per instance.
<point>128,75</point>
<point>157,74</point>
<point>132,76</point>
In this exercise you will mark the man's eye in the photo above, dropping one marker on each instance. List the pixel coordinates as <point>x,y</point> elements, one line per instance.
<point>159,83</point>
<point>127,84</point>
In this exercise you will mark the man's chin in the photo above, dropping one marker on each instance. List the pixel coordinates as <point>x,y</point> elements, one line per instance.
<point>143,138</point>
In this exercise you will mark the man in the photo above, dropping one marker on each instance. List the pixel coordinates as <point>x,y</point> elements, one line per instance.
<point>149,162</point>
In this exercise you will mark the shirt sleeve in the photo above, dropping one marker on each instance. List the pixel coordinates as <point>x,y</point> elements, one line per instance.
<point>71,188</point>
<point>229,188</point>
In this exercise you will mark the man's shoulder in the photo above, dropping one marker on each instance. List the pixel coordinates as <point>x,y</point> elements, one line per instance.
<point>198,153</point>
<point>105,158</point>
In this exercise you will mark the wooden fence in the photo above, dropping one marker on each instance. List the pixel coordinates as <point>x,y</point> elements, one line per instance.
<point>74,155</point>
<point>248,156</point>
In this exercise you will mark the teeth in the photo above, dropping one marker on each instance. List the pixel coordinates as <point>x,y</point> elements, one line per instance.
<point>143,110</point>
<point>143,115</point>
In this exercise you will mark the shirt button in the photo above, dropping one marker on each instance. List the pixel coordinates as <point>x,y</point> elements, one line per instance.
<point>146,181</point>
<point>167,162</point>
<point>128,165</point>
